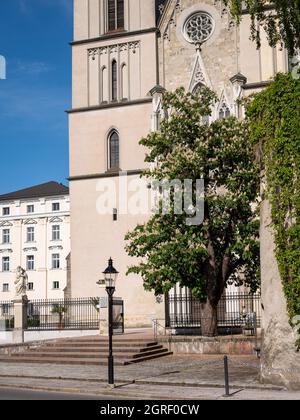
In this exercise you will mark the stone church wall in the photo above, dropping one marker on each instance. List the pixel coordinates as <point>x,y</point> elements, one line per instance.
<point>280,363</point>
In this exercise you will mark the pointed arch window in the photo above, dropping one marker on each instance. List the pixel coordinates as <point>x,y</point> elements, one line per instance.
<point>224,111</point>
<point>114,81</point>
<point>197,88</point>
<point>115,9</point>
<point>114,150</point>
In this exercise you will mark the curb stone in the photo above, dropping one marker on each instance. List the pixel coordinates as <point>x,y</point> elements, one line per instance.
<point>105,392</point>
<point>152,382</point>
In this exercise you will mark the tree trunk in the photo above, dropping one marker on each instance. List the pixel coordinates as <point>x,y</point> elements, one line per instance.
<point>209,323</point>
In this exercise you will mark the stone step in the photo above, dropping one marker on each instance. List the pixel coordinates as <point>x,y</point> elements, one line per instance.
<point>147,358</point>
<point>105,340</point>
<point>160,352</point>
<point>44,354</point>
<point>124,355</point>
<point>87,351</point>
<point>69,349</point>
<point>57,361</point>
<point>101,344</point>
<point>82,361</point>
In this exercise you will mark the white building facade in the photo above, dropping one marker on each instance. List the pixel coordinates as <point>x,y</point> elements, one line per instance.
<point>35,234</point>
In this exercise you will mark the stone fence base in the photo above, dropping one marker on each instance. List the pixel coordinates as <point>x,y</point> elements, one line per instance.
<point>230,345</point>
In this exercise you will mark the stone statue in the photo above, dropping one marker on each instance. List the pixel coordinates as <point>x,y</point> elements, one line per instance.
<point>21,282</point>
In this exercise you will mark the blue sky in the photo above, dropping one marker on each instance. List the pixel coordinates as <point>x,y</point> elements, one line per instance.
<point>34,39</point>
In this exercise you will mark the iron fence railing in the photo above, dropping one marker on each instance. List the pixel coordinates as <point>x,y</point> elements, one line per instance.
<point>67,314</point>
<point>63,314</point>
<point>235,311</point>
<point>6,316</point>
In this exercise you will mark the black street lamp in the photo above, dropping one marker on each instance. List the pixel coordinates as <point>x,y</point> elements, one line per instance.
<point>110,276</point>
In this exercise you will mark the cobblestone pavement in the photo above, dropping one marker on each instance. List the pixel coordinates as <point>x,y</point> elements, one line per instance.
<point>190,369</point>
<point>174,377</point>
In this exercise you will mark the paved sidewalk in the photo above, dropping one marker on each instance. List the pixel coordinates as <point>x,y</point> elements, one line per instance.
<point>174,377</point>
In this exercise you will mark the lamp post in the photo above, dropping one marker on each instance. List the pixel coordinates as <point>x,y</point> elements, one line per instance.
<point>110,276</point>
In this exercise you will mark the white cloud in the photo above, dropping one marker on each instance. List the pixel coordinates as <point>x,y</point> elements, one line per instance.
<point>31,68</point>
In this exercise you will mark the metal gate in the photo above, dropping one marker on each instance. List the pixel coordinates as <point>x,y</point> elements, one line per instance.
<point>118,316</point>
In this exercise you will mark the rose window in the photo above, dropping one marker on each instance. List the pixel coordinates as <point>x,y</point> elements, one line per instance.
<point>199,27</point>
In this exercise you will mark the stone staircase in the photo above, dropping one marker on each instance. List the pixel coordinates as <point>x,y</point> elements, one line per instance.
<point>90,351</point>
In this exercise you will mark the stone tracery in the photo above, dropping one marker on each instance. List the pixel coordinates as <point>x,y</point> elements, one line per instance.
<point>199,27</point>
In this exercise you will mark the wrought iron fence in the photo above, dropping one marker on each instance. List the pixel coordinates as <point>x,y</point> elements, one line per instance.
<point>7,319</point>
<point>236,311</point>
<point>64,314</point>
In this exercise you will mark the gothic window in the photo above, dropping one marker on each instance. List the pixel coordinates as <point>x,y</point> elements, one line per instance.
<point>104,85</point>
<point>224,111</point>
<point>199,27</point>
<point>115,15</point>
<point>197,88</point>
<point>114,81</point>
<point>114,151</point>
<point>124,82</point>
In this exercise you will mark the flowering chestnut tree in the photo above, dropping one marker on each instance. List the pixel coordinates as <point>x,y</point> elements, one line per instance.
<point>224,248</point>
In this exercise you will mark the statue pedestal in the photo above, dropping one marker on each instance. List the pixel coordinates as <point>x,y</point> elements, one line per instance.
<point>20,310</point>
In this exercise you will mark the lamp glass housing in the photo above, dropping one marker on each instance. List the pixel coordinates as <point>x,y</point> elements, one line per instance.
<point>110,275</point>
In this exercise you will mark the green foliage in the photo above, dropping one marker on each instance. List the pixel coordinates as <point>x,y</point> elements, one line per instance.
<point>33,321</point>
<point>281,23</point>
<point>9,324</point>
<point>58,309</point>
<point>274,117</point>
<point>224,248</point>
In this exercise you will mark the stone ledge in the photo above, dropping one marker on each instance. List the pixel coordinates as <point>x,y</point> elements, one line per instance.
<point>238,345</point>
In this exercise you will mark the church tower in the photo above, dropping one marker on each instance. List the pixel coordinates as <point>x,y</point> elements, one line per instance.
<point>114,68</point>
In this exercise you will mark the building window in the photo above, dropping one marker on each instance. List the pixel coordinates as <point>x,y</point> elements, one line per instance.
<point>199,27</point>
<point>115,15</point>
<point>30,262</point>
<point>30,208</point>
<point>224,111</point>
<point>5,264</point>
<point>114,81</point>
<point>55,233</point>
<point>56,285</point>
<point>124,82</point>
<point>5,211</point>
<point>30,286</point>
<point>6,236</point>
<point>5,287</point>
<point>115,215</point>
<point>55,261</point>
<point>104,85</point>
<point>30,234</point>
<point>55,206</point>
<point>114,151</point>
<point>5,309</point>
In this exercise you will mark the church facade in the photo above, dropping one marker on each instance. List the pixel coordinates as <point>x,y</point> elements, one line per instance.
<point>125,53</point>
